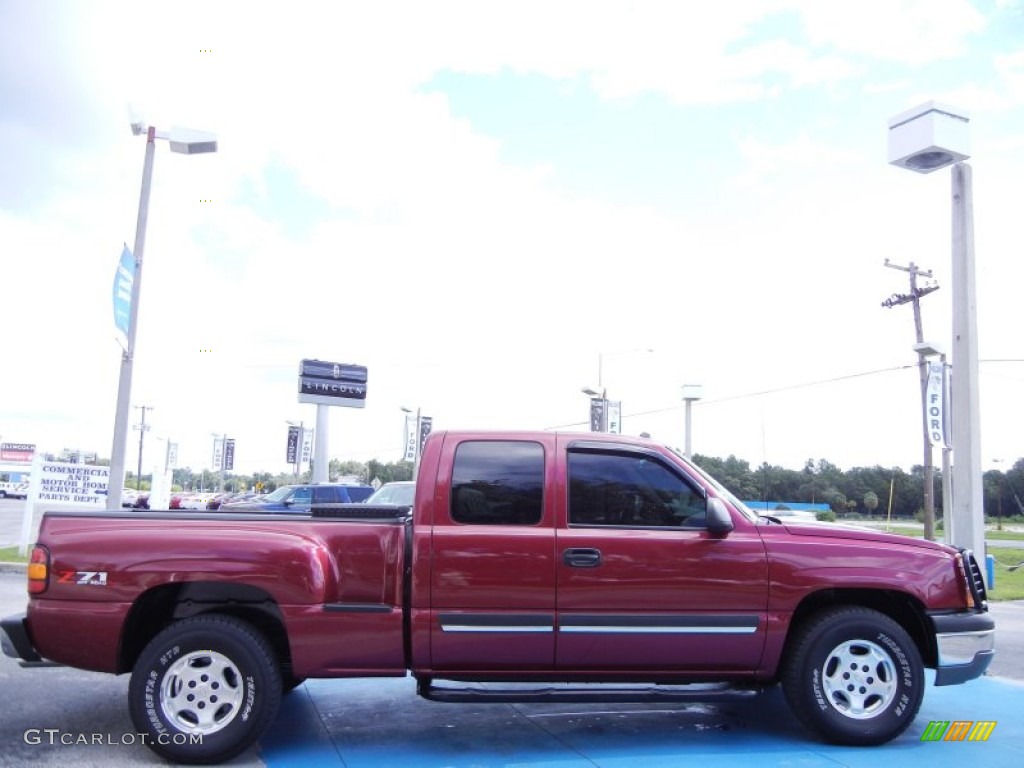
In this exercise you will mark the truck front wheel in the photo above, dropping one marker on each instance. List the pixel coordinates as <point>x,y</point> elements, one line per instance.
<point>854,676</point>
<point>204,689</point>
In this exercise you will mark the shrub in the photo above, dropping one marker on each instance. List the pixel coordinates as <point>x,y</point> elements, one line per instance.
<point>828,516</point>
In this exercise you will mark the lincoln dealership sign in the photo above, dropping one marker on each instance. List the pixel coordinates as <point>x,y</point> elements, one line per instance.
<point>17,451</point>
<point>326,383</point>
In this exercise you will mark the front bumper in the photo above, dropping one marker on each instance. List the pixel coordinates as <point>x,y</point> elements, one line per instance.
<point>15,640</point>
<point>966,644</point>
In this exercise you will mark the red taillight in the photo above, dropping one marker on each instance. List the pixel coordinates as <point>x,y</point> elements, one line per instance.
<point>38,570</point>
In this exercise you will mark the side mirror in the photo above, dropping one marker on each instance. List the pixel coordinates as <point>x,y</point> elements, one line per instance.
<point>719,519</point>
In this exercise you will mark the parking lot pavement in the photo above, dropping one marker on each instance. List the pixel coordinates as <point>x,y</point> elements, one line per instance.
<point>375,723</point>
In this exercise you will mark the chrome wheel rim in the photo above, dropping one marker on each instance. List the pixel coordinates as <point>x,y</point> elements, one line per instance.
<point>202,692</point>
<point>859,678</point>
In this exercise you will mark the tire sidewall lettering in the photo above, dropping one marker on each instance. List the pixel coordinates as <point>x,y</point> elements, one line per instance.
<point>899,657</point>
<point>818,691</point>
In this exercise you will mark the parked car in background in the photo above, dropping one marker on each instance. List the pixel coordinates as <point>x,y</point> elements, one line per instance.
<point>199,500</point>
<point>299,498</point>
<point>17,490</point>
<point>399,492</point>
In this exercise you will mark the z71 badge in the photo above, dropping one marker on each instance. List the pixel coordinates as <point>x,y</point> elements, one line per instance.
<point>93,578</point>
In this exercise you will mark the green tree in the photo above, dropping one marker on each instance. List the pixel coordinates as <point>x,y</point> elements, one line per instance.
<point>338,468</point>
<point>871,502</point>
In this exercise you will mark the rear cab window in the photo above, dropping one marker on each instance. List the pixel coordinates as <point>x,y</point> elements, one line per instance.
<point>498,482</point>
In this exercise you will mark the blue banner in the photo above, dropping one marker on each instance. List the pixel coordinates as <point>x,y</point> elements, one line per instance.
<point>124,278</point>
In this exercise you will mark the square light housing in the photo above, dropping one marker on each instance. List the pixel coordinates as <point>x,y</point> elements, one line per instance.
<point>928,137</point>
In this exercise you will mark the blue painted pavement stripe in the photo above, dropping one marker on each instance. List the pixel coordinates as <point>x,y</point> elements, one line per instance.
<point>382,723</point>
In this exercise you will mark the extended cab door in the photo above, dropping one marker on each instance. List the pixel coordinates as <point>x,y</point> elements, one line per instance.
<point>492,581</point>
<point>642,584</point>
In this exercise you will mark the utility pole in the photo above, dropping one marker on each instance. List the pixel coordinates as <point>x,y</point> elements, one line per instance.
<point>142,427</point>
<point>914,297</point>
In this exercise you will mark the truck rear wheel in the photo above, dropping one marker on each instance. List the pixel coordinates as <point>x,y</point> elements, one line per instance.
<point>854,676</point>
<point>204,689</point>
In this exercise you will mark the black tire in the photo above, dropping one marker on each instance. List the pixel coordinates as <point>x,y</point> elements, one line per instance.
<point>854,676</point>
<point>235,686</point>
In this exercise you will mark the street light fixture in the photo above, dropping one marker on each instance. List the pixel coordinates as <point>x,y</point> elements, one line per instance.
<point>185,142</point>
<point>925,139</point>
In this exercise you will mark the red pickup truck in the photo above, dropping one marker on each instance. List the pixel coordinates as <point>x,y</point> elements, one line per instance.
<point>531,567</point>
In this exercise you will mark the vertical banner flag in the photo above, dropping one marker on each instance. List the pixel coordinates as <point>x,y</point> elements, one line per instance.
<point>615,417</point>
<point>426,423</point>
<point>292,451</point>
<point>124,278</point>
<point>229,454</point>
<point>597,414</point>
<point>935,404</point>
<point>172,456</point>
<point>410,437</point>
<point>218,453</point>
<point>307,445</point>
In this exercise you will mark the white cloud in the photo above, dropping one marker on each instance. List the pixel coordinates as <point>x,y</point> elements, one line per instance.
<point>908,31</point>
<point>470,286</point>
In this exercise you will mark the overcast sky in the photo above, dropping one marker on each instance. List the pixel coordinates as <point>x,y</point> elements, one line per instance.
<point>492,204</point>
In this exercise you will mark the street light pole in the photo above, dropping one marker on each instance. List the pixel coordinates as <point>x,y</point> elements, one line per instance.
<point>968,511</point>
<point>189,144</point>
<point>601,392</point>
<point>925,139</point>
<point>115,487</point>
<point>691,392</point>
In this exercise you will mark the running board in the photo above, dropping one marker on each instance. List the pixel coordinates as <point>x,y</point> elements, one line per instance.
<point>578,694</point>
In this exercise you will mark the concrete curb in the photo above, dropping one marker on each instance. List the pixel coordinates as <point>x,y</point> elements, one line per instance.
<point>13,567</point>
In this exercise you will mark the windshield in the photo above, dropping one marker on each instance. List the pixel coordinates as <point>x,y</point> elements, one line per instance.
<point>277,495</point>
<point>724,492</point>
<point>394,493</point>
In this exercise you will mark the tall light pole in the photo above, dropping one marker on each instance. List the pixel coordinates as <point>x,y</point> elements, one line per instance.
<point>691,393</point>
<point>600,395</point>
<point>925,139</point>
<point>186,143</point>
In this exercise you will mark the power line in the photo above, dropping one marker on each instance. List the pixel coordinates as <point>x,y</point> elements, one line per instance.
<point>760,393</point>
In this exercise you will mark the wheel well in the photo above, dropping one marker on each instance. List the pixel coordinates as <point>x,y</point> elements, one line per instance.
<point>161,606</point>
<point>902,608</point>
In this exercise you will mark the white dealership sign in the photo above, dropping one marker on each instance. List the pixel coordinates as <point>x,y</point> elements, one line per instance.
<point>62,485</point>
